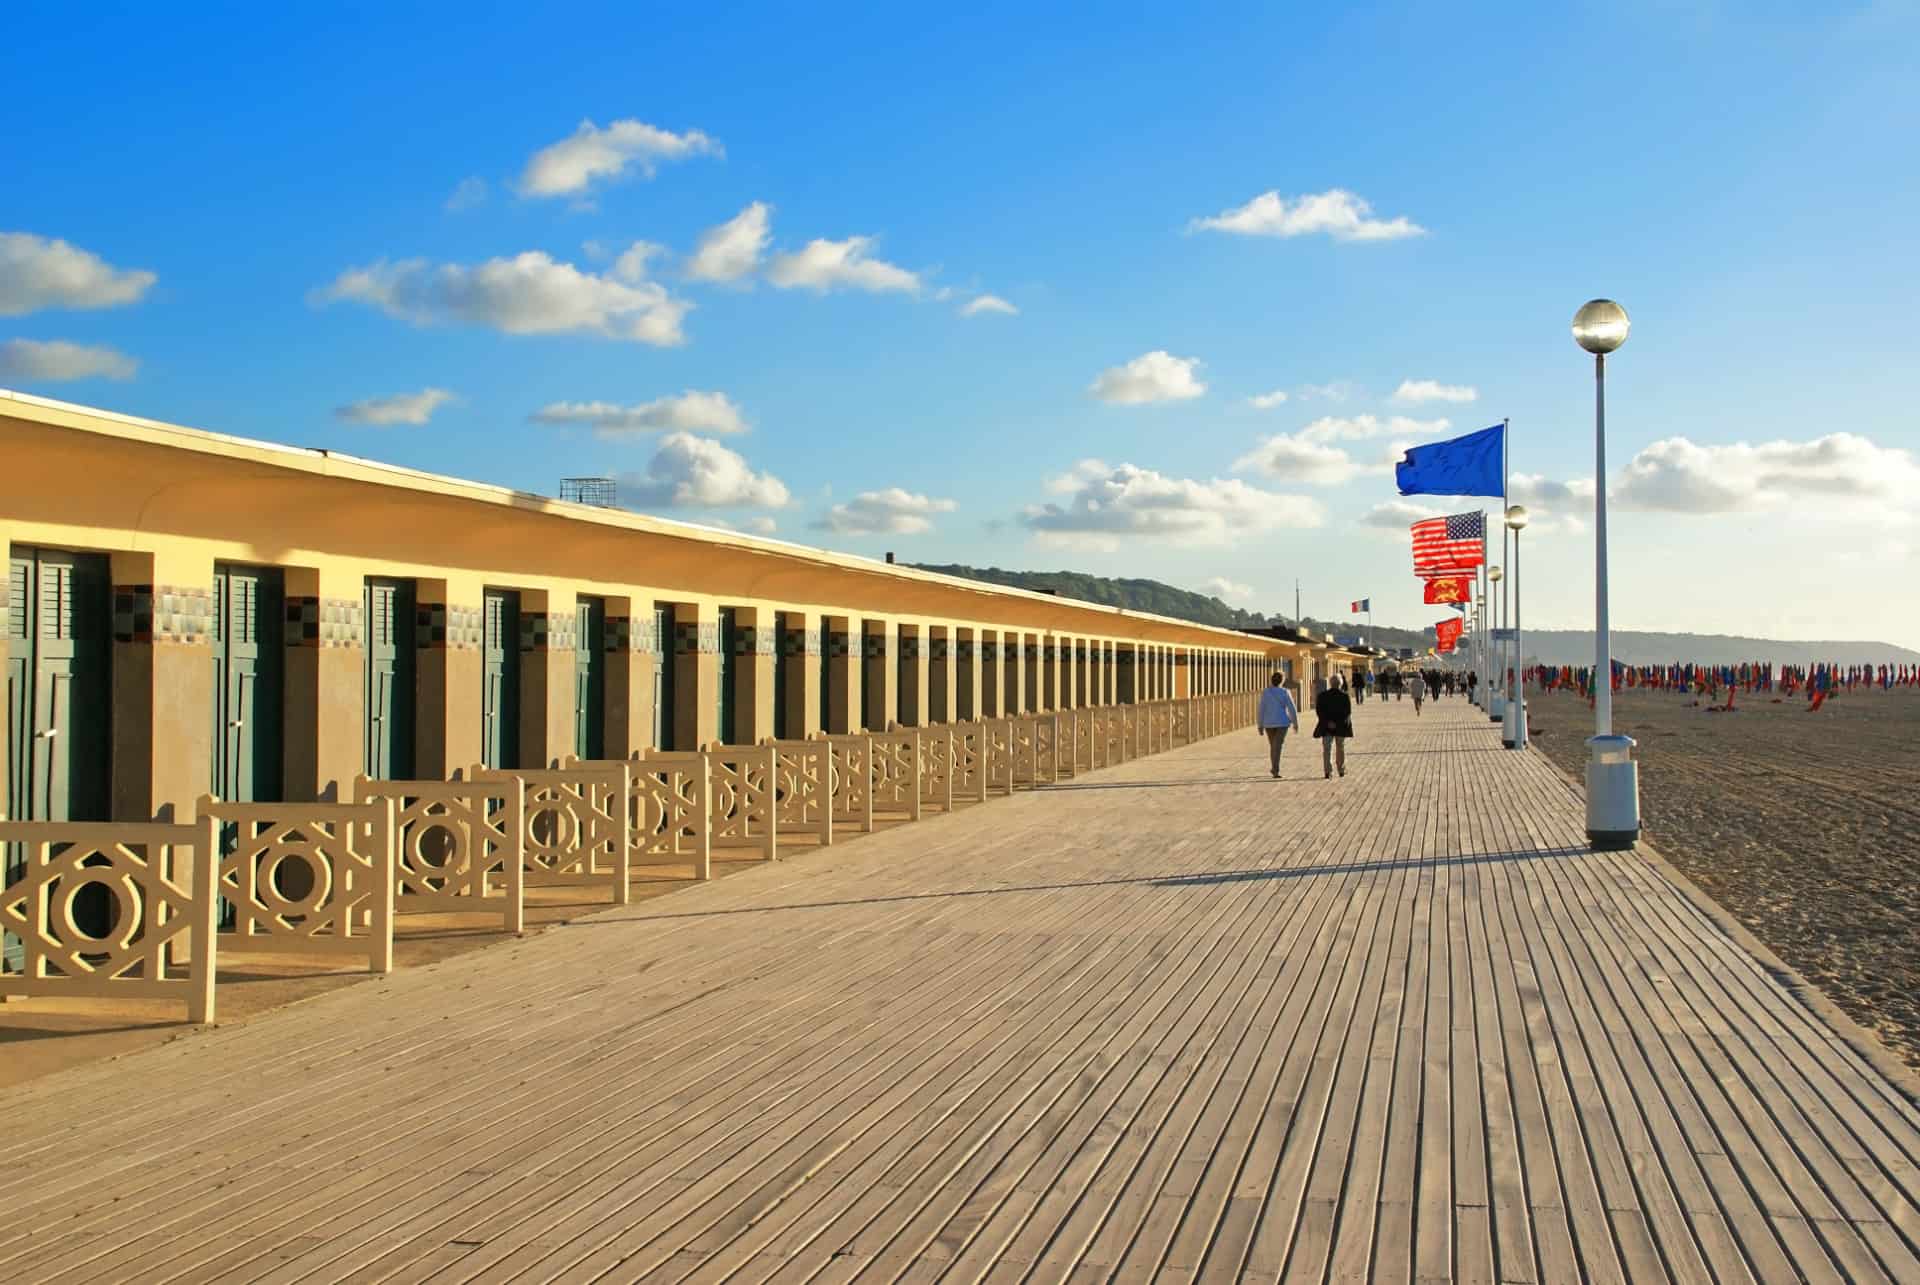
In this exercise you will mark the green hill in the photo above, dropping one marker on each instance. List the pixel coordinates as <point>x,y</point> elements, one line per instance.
<point>1133,595</point>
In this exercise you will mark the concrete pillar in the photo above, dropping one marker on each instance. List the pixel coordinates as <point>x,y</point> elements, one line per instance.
<point>696,674</point>
<point>991,673</point>
<point>1049,674</point>
<point>546,676</point>
<point>631,660</point>
<point>1077,663</point>
<point>800,654</point>
<point>914,674</point>
<point>942,689</point>
<point>1013,651</point>
<point>756,652</point>
<point>325,715</point>
<point>162,685</point>
<point>967,672</point>
<point>843,675</point>
<point>879,672</point>
<point>447,665</point>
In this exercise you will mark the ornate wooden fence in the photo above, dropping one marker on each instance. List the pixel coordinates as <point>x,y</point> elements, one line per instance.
<point>459,846</point>
<point>970,761</point>
<point>310,878</point>
<point>106,910</point>
<point>743,812</point>
<point>852,778</point>
<point>803,778</point>
<point>574,827</point>
<point>936,766</point>
<point>670,810</point>
<point>110,909</point>
<point>896,772</point>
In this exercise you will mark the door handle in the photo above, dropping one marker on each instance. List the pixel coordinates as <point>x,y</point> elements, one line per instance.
<point>48,735</point>
<point>238,722</point>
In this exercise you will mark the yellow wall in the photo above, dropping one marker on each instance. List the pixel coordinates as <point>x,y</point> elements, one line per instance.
<point>168,503</point>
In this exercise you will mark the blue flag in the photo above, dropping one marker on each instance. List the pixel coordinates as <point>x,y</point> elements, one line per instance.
<point>1470,465</point>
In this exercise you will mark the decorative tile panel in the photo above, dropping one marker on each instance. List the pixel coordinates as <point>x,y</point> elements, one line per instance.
<point>942,648</point>
<point>873,646</point>
<point>696,638</point>
<point>967,649</point>
<point>546,631</point>
<point>325,622</point>
<point>162,614</point>
<point>440,627</point>
<point>838,644</point>
<point>910,646</point>
<point>800,642</point>
<point>753,640</point>
<point>989,651</point>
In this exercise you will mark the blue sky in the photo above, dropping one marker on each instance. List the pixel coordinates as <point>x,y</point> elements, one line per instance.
<point>252,227</point>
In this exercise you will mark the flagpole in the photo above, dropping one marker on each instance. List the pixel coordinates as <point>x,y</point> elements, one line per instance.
<point>1506,588</point>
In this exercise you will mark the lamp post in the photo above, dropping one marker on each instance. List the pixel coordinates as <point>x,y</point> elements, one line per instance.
<point>1515,737</point>
<point>1496,699</point>
<point>1613,782</point>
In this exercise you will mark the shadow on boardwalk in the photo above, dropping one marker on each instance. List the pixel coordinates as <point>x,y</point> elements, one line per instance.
<point>1150,881</point>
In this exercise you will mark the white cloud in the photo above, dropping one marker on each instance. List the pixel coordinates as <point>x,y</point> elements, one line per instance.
<point>1223,588</point>
<point>469,192</point>
<point>1360,428</point>
<point>1397,515</point>
<point>890,512</point>
<point>1428,390</point>
<point>987,303</point>
<point>1157,376</point>
<point>733,249</point>
<point>572,165</point>
<point>529,294</point>
<point>689,472</point>
<point>1310,457</point>
<point>1104,505</point>
<point>1338,391</point>
<point>401,408</point>
<point>690,411</point>
<point>631,266</point>
<point>1337,212</point>
<point>1267,401</point>
<point>56,359</point>
<point>42,272</point>
<point>1299,460</point>
<point>1839,474</point>
<point>828,265</point>
<point>1536,488</point>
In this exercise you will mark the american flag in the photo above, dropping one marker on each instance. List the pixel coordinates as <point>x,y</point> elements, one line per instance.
<point>1454,543</point>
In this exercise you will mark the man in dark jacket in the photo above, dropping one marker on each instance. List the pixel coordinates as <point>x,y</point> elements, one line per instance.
<point>1335,714</point>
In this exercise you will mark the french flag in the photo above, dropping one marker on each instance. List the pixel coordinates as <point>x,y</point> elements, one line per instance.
<point>1365,604</point>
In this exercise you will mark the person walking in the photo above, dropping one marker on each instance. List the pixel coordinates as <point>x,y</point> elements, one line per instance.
<point>1335,714</point>
<point>1278,714</point>
<point>1419,686</point>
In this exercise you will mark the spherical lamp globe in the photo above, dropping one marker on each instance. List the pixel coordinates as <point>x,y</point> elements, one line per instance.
<point>1494,574</point>
<point>1600,326</point>
<point>1517,517</point>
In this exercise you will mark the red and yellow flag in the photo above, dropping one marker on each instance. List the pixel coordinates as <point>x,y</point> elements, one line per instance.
<point>1446,589</point>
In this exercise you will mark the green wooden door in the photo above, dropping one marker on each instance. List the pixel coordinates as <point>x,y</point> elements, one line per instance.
<point>390,679</point>
<point>590,678</point>
<point>500,680</point>
<point>249,658</point>
<point>59,705</point>
<point>663,677</point>
<point>783,650</point>
<point>723,675</point>
<point>826,680</point>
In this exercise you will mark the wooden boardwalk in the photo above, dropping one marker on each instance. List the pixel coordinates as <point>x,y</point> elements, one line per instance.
<point>1171,1021</point>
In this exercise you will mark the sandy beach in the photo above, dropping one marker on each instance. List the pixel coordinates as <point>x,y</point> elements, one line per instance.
<point>1806,826</point>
